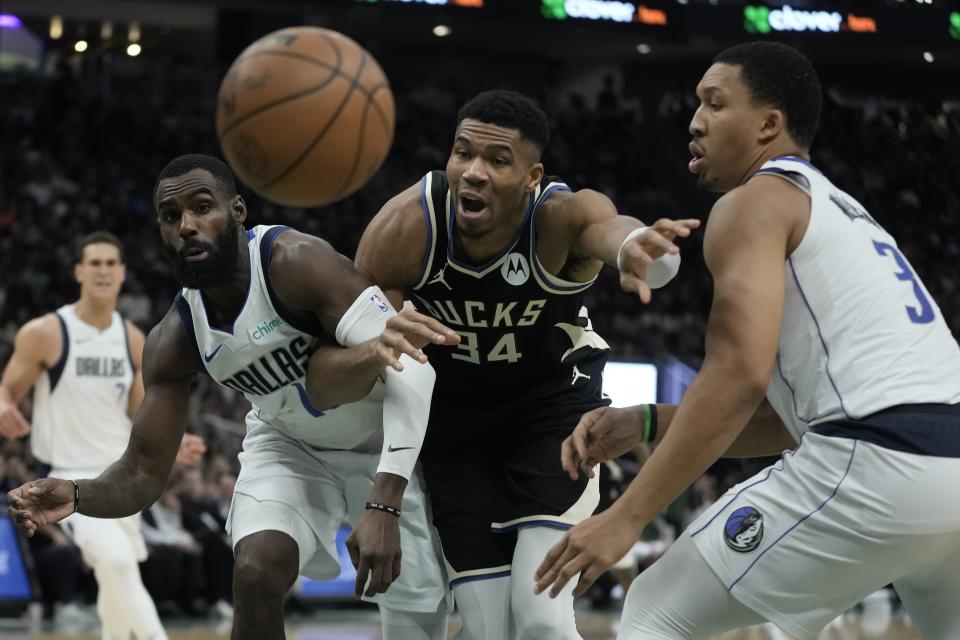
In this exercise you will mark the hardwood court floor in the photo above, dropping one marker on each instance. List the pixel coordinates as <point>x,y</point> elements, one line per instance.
<point>362,625</point>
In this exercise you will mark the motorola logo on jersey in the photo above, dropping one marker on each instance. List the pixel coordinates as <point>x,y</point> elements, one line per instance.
<point>515,269</point>
<point>744,529</point>
<point>101,367</point>
<point>273,371</point>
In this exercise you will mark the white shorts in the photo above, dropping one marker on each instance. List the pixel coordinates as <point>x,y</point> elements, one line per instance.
<point>97,537</point>
<point>285,485</point>
<point>828,524</point>
<point>94,536</point>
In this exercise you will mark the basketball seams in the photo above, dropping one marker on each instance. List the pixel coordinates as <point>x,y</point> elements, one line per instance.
<point>266,107</point>
<point>336,70</point>
<point>323,132</point>
<point>387,128</point>
<point>358,151</point>
<point>330,52</point>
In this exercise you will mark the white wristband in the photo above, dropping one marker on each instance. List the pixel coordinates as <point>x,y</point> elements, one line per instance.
<point>660,271</point>
<point>630,236</point>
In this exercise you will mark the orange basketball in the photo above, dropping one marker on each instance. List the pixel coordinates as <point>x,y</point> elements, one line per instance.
<point>305,116</point>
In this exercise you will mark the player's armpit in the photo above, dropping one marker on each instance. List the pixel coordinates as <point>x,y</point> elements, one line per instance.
<point>764,435</point>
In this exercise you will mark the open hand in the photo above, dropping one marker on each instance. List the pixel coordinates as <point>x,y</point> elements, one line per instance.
<point>407,333</point>
<point>637,254</point>
<point>588,549</point>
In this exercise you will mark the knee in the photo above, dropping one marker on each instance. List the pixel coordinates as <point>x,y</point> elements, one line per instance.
<point>535,622</point>
<point>264,568</point>
<point>116,563</point>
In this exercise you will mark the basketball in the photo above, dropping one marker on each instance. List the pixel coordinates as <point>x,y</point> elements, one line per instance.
<point>305,116</point>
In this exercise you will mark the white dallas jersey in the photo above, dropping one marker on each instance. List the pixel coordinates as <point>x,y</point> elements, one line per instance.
<point>80,404</point>
<point>860,332</point>
<point>264,356</point>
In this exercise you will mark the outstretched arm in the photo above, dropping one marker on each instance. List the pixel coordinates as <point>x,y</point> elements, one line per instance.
<point>138,477</point>
<point>389,256</point>
<point>646,257</point>
<point>745,247</point>
<point>608,432</point>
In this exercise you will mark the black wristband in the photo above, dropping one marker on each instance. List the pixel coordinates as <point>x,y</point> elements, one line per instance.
<point>76,496</point>
<point>653,423</point>
<point>376,506</point>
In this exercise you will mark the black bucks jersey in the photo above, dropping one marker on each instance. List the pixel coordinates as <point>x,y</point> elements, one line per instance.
<point>528,353</point>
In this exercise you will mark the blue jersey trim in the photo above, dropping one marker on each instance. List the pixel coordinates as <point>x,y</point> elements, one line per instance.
<point>186,319</point>
<point>488,576</point>
<point>430,231</point>
<point>546,277</point>
<point>305,401</point>
<point>309,326</point>
<point>57,369</point>
<point>749,486</point>
<point>250,235</point>
<point>550,524</point>
<point>126,340</point>
<point>819,333</point>
<point>801,520</point>
<point>793,394</point>
<point>795,159</point>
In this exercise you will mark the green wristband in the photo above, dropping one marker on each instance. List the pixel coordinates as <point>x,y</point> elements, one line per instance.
<point>649,422</point>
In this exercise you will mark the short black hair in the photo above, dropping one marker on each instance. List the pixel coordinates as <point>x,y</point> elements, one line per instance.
<point>99,237</point>
<point>509,109</point>
<point>779,75</point>
<point>187,163</point>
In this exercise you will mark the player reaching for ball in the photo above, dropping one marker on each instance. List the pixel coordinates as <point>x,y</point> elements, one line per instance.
<point>253,304</point>
<point>504,254</point>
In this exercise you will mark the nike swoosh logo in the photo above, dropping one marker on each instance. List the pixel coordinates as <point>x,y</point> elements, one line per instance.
<point>392,448</point>
<point>208,357</point>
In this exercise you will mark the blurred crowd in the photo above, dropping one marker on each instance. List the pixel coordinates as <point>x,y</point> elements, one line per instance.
<point>82,145</point>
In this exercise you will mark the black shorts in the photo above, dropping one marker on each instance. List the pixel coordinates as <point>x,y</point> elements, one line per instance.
<point>483,492</point>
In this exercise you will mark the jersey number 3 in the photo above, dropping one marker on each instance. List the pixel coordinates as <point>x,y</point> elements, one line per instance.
<point>925,314</point>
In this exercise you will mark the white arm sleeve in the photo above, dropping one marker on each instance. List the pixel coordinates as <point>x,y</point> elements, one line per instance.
<point>406,403</point>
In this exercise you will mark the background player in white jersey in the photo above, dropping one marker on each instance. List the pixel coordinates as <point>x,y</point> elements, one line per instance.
<point>83,362</point>
<point>253,303</point>
<point>815,306</point>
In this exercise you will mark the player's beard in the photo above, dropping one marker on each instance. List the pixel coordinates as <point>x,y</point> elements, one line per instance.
<point>219,266</point>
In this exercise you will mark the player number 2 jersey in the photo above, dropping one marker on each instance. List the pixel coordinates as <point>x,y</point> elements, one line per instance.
<point>860,331</point>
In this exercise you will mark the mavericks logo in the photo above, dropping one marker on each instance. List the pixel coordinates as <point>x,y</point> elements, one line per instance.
<point>515,269</point>
<point>744,529</point>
